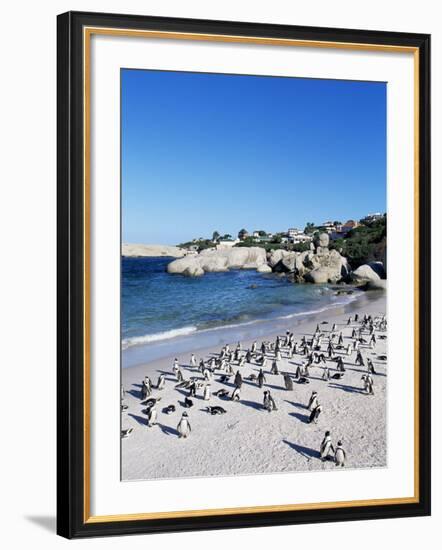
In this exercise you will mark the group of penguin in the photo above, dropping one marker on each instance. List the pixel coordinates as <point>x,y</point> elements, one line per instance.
<point>365,334</point>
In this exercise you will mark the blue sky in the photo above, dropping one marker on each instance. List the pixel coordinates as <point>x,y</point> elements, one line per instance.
<point>205,152</point>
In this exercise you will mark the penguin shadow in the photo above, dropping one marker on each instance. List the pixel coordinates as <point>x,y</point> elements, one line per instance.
<point>273,387</point>
<point>346,388</point>
<point>167,429</point>
<point>135,393</point>
<point>252,404</point>
<point>140,420</point>
<point>302,417</point>
<point>304,451</point>
<point>138,385</point>
<point>299,405</point>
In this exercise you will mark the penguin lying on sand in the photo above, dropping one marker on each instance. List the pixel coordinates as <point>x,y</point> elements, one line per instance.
<point>169,409</point>
<point>221,393</point>
<point>151,402</point>
<point>216,410</point>
<point>303,380</point>
<point>338,375</point>
<point>187,403</point>
<point>126,433</point>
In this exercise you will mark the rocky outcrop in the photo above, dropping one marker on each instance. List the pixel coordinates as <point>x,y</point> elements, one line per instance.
<point>373,271</point>
<point>151,250</point>
<point>320,265</point>
<point>211,261</point>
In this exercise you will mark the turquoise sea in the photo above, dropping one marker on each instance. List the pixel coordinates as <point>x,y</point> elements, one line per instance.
<point>163,313</point>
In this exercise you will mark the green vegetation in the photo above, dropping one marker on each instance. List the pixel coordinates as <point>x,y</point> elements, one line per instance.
<point>365,243</point>
<point>200,244</point>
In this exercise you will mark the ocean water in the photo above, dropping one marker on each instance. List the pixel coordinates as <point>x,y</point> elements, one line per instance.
<point>159,308</point>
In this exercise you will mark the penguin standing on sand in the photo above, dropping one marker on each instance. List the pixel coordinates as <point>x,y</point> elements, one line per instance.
<point>326,447</point>
<point>151,417</point>
<point>313,402</point>
<point>161,382</point>
<point>359,359</point>
<point>238,379</point>
<point>236,394</point>
<point>326,373</point>
<point>193,360</point>
<point>368,383</point>
<point>340,455</point>
<point>261,378</point>
<point>183,427</point>
<point>268,402</point>
<point>370,367</point>
<point>340,364</point>
<point>288,382</point>
<point>206,395</point>
<point>274,369</point>
<point>315,414</point>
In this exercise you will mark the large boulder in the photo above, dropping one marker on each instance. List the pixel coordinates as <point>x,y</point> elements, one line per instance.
<point>318,275</point>
<point>181,265</point>
<point>211,261</point>
<point>213,264</point>
<point>322,240</point>
<point>264,268</point>
<point>373,271</point>
<point>193,271</point>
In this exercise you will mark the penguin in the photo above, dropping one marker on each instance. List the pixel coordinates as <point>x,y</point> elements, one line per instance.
<point>340,364</point>
<point>236,394</point>
<point>221,393</point>
<point>261,378</point>
<point>340,455</point>
<point>370,367</point>
<point>326,373</point>
<point>216,410</point>
<point>169,409</point>
<point>288,382</point>
<point>359,359</point>
<point>187,403</point>
<point>368,383</point>
<point>313,402</point>
<point>161,382</point>
<point>326,447</point>
<point>315,414</point>
<point>338,375</point>
<point>224,378</point>
<point>238,379</point>
<point>124,407</point>
<point>126,433</point>
<point>303,380</point>
<point>206,396</point>
<point>151,417</point>
<point>274,369</point>
<point>151,402</point>
<point>193,360</point>
<point>183,427</point>
<point>268,402</point>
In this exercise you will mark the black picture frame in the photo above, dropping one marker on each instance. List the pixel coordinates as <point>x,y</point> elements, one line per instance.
<point>71,519</point>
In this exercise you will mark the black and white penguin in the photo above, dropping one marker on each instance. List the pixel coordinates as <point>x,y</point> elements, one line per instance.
<point>315,414</point>
<point>326,447</point>
<point>313,402</point>
<point>216,410</point>
<point>340,455</point>
<point>288,382</point>
<point>151,417</point>
<point>183,427</point>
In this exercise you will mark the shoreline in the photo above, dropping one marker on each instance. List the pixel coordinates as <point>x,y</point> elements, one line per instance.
<point>192,339</point>
<point>254,441</point>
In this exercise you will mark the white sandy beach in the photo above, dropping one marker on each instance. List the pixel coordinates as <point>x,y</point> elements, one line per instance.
<point>248,439</point>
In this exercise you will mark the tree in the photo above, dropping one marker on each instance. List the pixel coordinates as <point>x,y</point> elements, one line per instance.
<point>262,233</point>
<point>215,236</point>
<point>226,237</point>
<point>309,227</point>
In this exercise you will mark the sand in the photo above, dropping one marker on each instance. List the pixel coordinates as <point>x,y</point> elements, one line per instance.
<point>248,439</point>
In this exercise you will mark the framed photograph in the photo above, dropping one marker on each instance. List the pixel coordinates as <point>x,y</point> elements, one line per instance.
<point>243,274</point>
